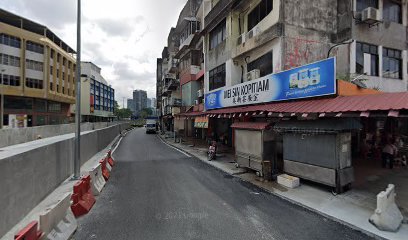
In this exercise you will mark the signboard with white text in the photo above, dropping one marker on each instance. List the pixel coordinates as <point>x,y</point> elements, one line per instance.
<point>312,80</point>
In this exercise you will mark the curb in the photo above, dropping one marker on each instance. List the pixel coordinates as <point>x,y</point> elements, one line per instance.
<point>294,202</point>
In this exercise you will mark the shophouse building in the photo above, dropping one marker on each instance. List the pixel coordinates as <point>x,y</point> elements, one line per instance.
<point>279,66</point>
<point>250,44</point>
<point>37,72</point>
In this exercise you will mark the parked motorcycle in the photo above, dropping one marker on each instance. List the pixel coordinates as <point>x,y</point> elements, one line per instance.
<point>212,151</point>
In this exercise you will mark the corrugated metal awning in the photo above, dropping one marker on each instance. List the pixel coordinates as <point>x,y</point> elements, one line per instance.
<point>320,125</point>
<point>362,103</point>
<point>251,125</point>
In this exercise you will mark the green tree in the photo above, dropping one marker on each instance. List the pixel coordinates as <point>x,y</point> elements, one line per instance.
<point>122,113</point>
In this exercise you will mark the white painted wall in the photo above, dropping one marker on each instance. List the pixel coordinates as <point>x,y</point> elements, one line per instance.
<point>10,50</point>
<point>35,56</point>
<point>34,74</point>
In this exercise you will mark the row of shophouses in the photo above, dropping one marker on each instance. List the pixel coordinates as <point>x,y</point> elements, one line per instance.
<point>38,78</point>
<point>311,88</point>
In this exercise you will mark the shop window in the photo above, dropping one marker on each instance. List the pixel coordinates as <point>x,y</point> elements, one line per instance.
<point>9,60</point>
<point>54,107</point>
<point>16,103</point>
<point>35,47</point>
<point>259,13</point>
<point>11,80</point>
<point>218,35</point>
<point>40,120</point>
<point>34,65</point>
<point>372,50</point>
<point>392,63</point>
<point>392,11</point>
<point>217,77</point>
<point>40,105</point>
<point>10,40</point>
<point>34,83</point>
<point>363,4</point>
<point>264,64</point>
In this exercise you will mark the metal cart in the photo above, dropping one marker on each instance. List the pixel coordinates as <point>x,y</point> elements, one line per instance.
<point>257,147</point>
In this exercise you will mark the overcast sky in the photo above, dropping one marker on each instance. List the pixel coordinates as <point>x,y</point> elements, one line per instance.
<point>123,37</point>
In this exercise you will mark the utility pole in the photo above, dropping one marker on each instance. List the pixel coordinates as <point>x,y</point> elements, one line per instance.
<point>2,100</point>
<point>77,154</point>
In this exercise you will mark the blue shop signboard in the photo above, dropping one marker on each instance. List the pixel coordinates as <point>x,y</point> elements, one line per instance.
<point>312,80</point>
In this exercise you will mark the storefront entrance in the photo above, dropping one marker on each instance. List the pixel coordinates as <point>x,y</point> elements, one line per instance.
<point>370,174</point>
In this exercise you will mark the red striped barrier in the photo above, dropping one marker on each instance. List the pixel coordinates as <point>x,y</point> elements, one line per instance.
<point>30,232</point>
<point>83,199</point>
<point>110,159</point>
<point>105,171</point>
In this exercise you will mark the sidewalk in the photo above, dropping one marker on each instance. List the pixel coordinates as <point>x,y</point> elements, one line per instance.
<point>352,208</point>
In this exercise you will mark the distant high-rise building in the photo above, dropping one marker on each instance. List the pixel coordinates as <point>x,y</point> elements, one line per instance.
<point>140,99</point>
<point>148,103</point>
<point>153,103</point>
<point>131,105</point>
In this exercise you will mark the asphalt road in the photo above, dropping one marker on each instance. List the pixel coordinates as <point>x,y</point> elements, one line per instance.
<point>156,192</point>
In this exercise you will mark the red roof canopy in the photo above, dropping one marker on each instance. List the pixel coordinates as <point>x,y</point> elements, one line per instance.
<point>251,125</point>
<point>362,103</point>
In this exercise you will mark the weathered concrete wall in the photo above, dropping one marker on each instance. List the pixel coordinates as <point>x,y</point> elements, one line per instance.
<point>387,34</point>
<point>303,46</point>
<point>318,15</point>
<point>30,171</point>
<point>10,137</point>
<point>308,28</point>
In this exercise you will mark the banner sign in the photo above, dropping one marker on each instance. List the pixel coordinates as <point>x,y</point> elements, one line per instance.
<point>312,80</point>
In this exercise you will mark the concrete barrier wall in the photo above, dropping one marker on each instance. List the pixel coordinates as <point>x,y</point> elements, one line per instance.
<point>31,171</point>
<point>14,136</point>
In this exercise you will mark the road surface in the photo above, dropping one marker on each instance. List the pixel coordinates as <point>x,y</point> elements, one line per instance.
<point>156,192</point>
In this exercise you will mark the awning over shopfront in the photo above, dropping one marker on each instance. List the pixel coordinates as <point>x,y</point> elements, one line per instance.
<point>191,114</point>
<point>251,125</point>
<point>322,125</point>
<point>392,102</point>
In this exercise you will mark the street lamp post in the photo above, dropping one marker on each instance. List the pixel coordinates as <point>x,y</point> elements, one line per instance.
<point>77,154</point>
<point>2,100</point>
<point>339,44</point>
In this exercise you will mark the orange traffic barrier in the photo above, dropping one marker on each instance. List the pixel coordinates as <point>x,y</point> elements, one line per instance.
<point>83,199</point>
<point>30,232</point>
<point>105,171</point>
<point>110,159</point>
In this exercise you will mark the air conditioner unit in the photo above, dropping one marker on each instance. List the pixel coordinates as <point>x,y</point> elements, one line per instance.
<point>255,31</point>
<point>241,39</point>
<point>196,102</point>
<point>254,74</point>
<point>200,93</point>
<point>370,15</point>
